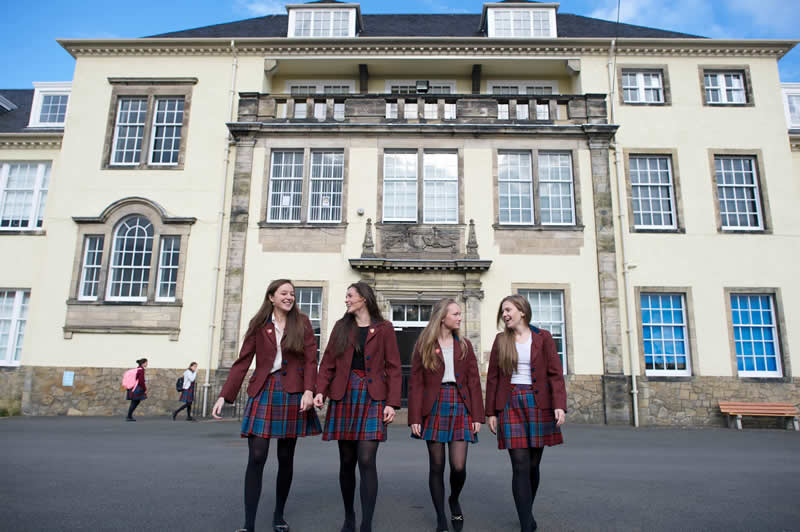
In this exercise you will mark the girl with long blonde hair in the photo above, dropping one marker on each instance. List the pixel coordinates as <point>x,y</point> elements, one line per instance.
<point>445,404</point>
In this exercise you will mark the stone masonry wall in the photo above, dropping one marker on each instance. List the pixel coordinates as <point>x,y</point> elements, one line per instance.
<point>11,382</point>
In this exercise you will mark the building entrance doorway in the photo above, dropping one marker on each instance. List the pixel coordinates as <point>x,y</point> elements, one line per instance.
<point>409,319</point>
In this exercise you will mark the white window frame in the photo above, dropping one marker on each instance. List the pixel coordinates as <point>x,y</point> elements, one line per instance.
<point>641,88</point>
<point>48,88</point>
<point>791,90</point>
<point>312,297</point>
<point>95,266</point>
<point>450,83</point>
<point>316,12</point>
<point>112,268</point>
<point>723,88</point>
<point>669,186</point>
<point>137,160</point>
<point>662,324</point>
<point>778,372</point>
<point>320,84</point>
<point>521,182</point>
<point>547,325</point>
<point>406,179</point>
<point>492,13</point>
<point>17,326</point>
<point>521,85</point>
<point>162,267</point>
<point>155,125</point>
<point>39,193</point>
<point>272,178</point>
<point>437,183</point>
<point>756,186</point>
<point>332,181</point>
<point>568,155</point>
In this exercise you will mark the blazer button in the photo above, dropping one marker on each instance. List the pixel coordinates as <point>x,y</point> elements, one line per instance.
<point>369,380</point>
<point>456,374</point>
<point>367,357</point>
<point>283,373</point>
<point>534,380</point>
<point>284,362</point>
<point>535,391</point>
<point>369,370</point>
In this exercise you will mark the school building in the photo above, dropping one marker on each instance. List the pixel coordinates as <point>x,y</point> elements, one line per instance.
<point>638,186</point>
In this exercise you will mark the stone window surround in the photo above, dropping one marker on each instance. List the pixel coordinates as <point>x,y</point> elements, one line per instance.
<point>748,84</point>
<point>691,335</point>
<point>306,149</point>
<point>151,88</point>
<point>665,84</point>
<point>323,322</point>
<point>534,149</point>
<point>421,146</point>
<point>568,338</point>
<point>106,225</point>
<point>762,190</point>
<point>780,325</point>
<point>672,153</point>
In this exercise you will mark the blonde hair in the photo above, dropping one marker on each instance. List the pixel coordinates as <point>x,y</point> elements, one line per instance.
<point>428,339</point>
<point>506,344</point>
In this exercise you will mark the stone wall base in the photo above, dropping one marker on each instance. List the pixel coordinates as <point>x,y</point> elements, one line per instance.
<point>11,384</point>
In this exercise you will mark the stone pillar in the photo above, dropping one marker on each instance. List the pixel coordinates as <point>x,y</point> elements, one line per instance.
<point>473,294</point>
<point>616,390</point>
<point>237,239</point>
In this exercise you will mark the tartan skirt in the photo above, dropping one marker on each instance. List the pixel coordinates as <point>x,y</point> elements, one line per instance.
<point>137,394</point>
<point>521,425</point>
<point>187,394</point>
<point>449,419</point>
<point>356,416</point>
<point>275,413</point>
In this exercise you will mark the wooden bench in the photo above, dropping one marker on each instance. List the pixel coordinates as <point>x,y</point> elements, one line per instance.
<point>741,408</point>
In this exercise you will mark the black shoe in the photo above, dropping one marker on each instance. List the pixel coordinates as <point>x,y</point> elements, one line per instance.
<point>456,516</point>
<point>349,526</point>
<point>174,415</point>
<point>129,419</point>
<point>190,419</point>
<point>280,525</point>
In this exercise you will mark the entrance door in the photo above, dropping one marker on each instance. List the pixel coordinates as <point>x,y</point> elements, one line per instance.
<point>409,319</point>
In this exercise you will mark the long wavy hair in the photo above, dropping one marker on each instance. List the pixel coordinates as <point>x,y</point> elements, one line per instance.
<point>506,344</point>
<point>428,339</point>
<point>347,323</point>
<point>292,340</point>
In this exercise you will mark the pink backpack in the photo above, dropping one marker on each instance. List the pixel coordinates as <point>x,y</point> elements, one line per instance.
<point>129,379</point>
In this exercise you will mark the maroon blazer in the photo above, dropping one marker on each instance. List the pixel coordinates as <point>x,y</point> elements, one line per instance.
<point>140,379</point>
<point>298,373</point>
<point>547,377</point>
<point>425,384</point>
<point>381,364</point>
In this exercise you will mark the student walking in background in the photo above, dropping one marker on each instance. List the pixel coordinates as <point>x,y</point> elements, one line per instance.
<point>187,393</point>
<point>360,371</point>
<point>139,392</point>
<point>526,399</point>
<point>445,404</point>
<point>280,394</point>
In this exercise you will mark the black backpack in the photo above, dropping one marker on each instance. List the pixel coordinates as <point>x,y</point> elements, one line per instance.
<point>179,384</point>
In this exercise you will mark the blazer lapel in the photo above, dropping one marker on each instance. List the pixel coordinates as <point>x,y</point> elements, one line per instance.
<point>536,347</point>
<point>269,332</point>
<point>371,335</point>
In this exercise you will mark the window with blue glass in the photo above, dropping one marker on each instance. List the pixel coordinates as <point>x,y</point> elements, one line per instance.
<point>755,335</point>
<point>664,335</point>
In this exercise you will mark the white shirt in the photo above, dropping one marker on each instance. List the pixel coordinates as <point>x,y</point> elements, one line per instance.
<point>278,356</point>
<point>449,366</point>
<point>189,377</point>
<point>522,375</point>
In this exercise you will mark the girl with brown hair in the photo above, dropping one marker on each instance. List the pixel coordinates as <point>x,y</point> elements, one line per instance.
<point>526,399</point>
<point>360,371</point>
<point>280,394</point>
<point>445,404</point>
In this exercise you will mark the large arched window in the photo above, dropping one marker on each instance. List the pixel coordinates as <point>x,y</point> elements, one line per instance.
<point>129,274</point>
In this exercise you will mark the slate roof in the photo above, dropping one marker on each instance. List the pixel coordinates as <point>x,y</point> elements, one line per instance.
<point>16,121</point>
<point>426,25</point>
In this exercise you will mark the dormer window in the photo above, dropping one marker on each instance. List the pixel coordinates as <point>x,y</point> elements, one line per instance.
<point>517,20</point>
<point>50,100</point>
<point>309,20</point>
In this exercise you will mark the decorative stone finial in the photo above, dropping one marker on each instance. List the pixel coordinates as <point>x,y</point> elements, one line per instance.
<point>368,248</point>
<point>472,241</point>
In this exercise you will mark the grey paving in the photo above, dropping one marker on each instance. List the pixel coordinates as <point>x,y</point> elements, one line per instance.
<point>70,474</point>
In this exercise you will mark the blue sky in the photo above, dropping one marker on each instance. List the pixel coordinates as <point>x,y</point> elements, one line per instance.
<point>29,30</point>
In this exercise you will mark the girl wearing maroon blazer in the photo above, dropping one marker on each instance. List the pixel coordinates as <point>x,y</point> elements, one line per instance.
<point>445,404</point>
<point>280,394</point>
<point>139,392</point>
<point>526,399</point>
<point>360,371</point>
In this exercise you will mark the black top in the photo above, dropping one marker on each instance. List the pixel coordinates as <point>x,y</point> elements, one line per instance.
<point>358,352</point>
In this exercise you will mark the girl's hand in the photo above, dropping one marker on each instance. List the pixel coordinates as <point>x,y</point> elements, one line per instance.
<point>493,424</point>
<point>216,412</point>
<point>416,429</point>
<point>318,400</point>
<point>388,414</point>
<point>561,417</point>
<point>307,401</point>
<point>476,428</point>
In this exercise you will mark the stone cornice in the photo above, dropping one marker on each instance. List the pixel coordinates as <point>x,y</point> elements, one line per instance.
<point>50,140</point>
<point>380,264</point>
<point>422,47</point>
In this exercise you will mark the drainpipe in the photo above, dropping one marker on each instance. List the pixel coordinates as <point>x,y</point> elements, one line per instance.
<point>221,220</point>
<point>622,220</point>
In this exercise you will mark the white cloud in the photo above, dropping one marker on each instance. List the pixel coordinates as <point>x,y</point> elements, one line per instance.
<point>780,16</point>
<point>260,8</point>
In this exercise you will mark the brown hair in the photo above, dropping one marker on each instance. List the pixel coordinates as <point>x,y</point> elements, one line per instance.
<point>347,323</point>
<point>292,340</point>
<point>427,341</point>
<point>506,345</point>
<point>141,361</point>
<point>192,364</point>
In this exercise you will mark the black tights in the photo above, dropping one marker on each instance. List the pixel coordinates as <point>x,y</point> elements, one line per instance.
<point>259,449</point>
<point>525,482</point>
<point>188,407</point>
<point>458,475</point>
<point>364,454</point>
<point>134,404</point>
